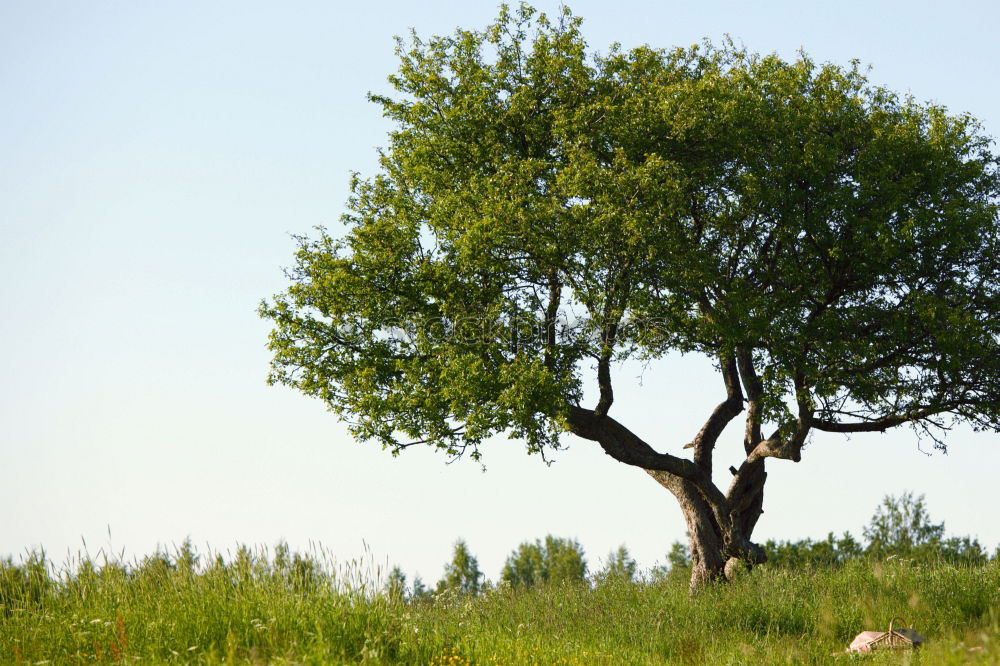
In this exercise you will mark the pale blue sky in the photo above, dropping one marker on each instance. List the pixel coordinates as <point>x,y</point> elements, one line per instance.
<point>154,157</point>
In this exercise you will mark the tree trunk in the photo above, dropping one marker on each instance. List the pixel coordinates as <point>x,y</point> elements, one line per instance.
<point>719,525</point>
<point>718,551</point>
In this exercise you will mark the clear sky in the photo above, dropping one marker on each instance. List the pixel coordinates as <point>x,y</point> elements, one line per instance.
<point>155,156</point>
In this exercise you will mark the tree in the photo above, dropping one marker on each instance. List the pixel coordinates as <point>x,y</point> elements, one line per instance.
<point>619,567</point>
<point>420,591</point>
<point>679,556</point>
<point>555,560</point>
<point>902,526</point>
<point>395,586</point>
<point>833,551</point>
<point>542,214</point>
<point>462,574</point>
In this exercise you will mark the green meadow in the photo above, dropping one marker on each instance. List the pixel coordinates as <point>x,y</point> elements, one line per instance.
<point>278,607</point>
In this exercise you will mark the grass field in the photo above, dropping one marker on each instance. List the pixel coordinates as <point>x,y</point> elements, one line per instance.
<point>282,608</point>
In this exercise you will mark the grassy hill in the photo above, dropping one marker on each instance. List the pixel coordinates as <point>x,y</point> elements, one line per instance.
<point>301,609</point>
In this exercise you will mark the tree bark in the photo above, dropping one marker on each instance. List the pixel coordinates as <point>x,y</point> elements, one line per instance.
<point>720,550</point>
<point>746,496</point>
<point>719,525</point>
<point>705,539</point>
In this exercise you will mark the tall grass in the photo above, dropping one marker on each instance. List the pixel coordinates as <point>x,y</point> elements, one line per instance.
<point>260,607</point>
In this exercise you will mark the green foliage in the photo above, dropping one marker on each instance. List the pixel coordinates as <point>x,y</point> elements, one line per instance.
<point>554,560</point>
<point>462,574</point>
<point>679,556</point>
<point>832,551</point>
<point>418,323</point>
<point>677,567</point>
<point>619,567</point>
<point>701,199</point>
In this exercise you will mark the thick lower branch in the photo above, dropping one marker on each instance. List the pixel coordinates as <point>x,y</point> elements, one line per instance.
<point>625,446</point>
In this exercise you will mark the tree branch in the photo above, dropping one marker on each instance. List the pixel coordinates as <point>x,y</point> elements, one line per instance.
<point>745,494</point>
<point>433,438</point>
<point>916,413</point>
<point>551,312</point>
<point>626,447</point>
<point>604,383</point>
<point>789,448</point>
<point>875,425</point>
<point>724,412</point>
<point>610,332</point>
<point>755,393</point>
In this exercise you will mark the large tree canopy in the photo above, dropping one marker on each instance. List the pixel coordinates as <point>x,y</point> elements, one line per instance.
<point>542,213</point>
